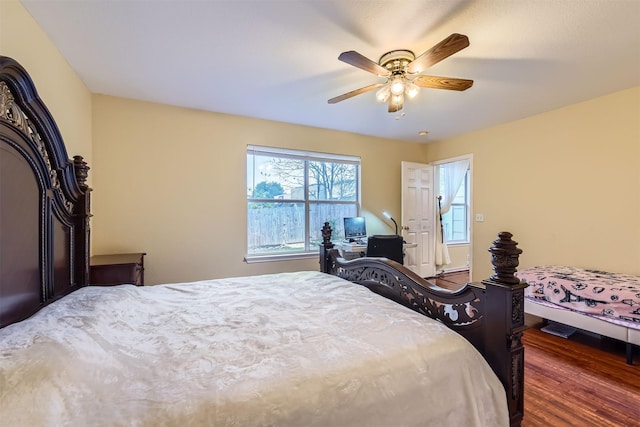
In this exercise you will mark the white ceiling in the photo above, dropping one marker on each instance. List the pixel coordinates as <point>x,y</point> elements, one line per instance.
<point>278,60</point>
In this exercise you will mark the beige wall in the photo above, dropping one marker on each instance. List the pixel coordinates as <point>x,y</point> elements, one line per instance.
<point>172,182</point>
<point>565,183</point>
<point>66,96</point>
<point>459,255</point>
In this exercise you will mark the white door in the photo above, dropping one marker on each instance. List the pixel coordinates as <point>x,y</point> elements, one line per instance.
<point>418,218</point>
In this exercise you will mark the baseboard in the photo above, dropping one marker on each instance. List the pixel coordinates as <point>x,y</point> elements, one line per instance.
<point>454,270</point>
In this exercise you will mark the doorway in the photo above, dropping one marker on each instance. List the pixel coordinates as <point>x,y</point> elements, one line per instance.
<point>453,178</point>
<point>440,246</point>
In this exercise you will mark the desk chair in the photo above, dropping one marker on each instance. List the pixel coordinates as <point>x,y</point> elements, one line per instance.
<point>388,246</point>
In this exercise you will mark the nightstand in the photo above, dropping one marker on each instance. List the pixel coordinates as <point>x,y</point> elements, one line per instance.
<point>117,269</point>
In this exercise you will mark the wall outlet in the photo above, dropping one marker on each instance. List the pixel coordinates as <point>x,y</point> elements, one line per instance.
<point>479,217</point>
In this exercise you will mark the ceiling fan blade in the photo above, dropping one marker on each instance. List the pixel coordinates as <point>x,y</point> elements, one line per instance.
<point>447,47</point>
<point>449,83</point>
<point>354,93</point>
<point>395,106</point>
<point>357,60</point>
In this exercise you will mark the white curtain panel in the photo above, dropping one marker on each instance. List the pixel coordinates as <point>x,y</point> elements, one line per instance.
<point>453,176</point>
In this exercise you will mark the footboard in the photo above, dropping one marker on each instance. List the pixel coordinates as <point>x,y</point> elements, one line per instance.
<point>489,314</point>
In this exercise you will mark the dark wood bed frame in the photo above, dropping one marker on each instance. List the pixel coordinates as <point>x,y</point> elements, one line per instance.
<point>44,243</point>
<point>44,203</point>
<point>489,314</point>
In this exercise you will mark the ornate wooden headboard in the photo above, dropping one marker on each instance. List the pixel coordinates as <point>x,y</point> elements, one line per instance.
<point>44,203</point>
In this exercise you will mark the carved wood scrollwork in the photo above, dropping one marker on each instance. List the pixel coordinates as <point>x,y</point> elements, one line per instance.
<point>13,114</point>
<point>517,308</point>
<point>505,258</point>
<point>82,171</point>
<point>326,235</point>
<point>455,309</point>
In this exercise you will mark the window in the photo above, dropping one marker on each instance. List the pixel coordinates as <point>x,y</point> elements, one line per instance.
<point>290,195</point>
<point>455,222</point>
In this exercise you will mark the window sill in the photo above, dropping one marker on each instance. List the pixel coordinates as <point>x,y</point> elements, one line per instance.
<point>251,259</point>
<point>450,244</point>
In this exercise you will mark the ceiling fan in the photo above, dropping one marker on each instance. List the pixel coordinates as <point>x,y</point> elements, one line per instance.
<point>402,70</point>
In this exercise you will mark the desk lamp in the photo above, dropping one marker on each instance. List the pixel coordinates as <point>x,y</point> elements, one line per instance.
<point>388,216</point>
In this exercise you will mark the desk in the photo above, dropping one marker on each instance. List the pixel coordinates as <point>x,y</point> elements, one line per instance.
<point>354,250</point>
<point>351,247</point>
<point>351,250</point>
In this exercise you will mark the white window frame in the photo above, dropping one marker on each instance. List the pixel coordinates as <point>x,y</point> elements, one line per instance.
<point>467,210</point>
<point>306,156</point>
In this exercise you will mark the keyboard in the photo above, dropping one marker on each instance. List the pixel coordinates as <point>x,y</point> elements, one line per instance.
<point>354,242</point>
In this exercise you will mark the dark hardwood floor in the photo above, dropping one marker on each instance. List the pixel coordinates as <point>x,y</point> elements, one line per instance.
<point>452,280</point>
<point>582,381</point>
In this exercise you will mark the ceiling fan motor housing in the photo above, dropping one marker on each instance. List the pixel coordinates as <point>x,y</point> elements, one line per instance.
<point>396,61</point>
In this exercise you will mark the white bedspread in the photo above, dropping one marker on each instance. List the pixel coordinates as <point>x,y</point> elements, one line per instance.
<point>291,349</point>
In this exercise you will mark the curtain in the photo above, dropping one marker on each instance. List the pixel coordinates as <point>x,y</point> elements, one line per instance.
<point>451,176</point>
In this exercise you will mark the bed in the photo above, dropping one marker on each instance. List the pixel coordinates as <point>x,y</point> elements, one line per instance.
<point>601,302</point>
<point>304,348</point>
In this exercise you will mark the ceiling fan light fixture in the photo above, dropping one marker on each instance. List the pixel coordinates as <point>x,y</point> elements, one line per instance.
<point>411,89</point>
<point>397,85</point>
<point>383,93</point>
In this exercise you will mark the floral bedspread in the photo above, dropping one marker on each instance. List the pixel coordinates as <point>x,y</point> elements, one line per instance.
<point>610,295</point>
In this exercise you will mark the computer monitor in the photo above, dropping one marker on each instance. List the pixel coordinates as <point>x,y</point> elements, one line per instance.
<point>355,228</point>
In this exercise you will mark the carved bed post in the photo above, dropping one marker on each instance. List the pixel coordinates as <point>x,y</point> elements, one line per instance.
<point>82,212</point>
<point>324,248</point>
<point>504,314</point>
